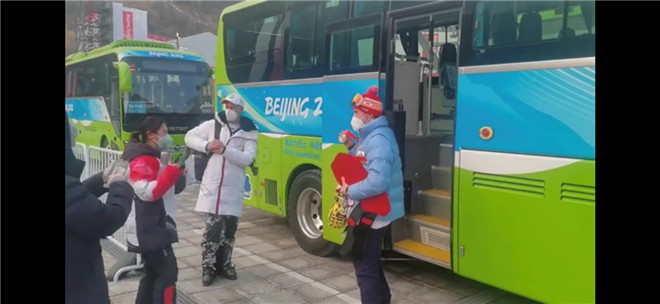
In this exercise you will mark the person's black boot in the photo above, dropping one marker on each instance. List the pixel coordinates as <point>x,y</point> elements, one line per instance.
<point>229,272</point>
<point>224,255</point>
<point>219,261</point>
<point>207,277</point>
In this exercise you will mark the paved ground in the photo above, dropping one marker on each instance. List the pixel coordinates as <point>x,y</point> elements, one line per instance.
<point>272,268</point>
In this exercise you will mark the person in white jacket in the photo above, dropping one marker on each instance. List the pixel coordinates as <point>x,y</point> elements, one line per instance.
<point>221,189</point>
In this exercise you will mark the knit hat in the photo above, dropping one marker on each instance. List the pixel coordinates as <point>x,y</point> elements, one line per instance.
<point>369,102</point>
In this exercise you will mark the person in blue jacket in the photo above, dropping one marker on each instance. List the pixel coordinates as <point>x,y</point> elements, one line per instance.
<point>377,143</point>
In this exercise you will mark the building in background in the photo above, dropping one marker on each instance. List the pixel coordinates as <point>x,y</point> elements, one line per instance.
<point>104,22</point>
<point>128,23</point>
<point>203,44</point>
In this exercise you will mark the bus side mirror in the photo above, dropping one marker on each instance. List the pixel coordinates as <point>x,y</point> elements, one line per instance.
<point>125,76</point>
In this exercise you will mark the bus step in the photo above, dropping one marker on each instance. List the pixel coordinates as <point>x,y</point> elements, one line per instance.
<point>446,155</point>
<point>423,252</point>
<point>435,203</point>
<point>441,178</point>
<point>428,230</point>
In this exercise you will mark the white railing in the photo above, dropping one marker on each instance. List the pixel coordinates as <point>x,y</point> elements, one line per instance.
<point>80,150</point>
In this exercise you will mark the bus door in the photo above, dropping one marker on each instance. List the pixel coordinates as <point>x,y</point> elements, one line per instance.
<point>352,63</point>
<point>421,81</point>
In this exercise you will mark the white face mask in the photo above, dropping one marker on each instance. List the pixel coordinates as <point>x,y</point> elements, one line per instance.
<point>232,116</point>
<point>356,123</point>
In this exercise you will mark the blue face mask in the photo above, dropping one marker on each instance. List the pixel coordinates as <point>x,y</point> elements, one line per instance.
<point>165,142</point>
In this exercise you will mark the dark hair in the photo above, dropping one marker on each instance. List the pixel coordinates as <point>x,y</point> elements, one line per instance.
<point>150,124</point>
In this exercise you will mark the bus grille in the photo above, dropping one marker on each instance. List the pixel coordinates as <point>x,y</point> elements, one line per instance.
<point>271,192</point>
<point>434,238</point>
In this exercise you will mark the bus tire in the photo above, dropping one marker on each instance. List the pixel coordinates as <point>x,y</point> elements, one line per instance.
<point>305,215</point>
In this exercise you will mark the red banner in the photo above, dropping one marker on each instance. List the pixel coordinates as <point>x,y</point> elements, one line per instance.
<point>128,25</point>
<point>158,38</point>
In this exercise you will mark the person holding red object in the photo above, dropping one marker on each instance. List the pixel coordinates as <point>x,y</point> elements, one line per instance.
<point>155,230</point>
<point>377,144</point>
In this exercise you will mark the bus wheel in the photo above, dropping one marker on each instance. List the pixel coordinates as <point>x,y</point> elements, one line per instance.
<point>305,214</point>
<point>104,143</point>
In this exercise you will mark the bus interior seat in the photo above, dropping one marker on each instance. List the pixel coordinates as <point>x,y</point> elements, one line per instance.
<point>567,33</point>
<point>504,31</point>
<point>531,27</point>
<point>448,70</point>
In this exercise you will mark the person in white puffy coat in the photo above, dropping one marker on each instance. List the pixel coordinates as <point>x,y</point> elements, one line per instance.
<point>221,189</point>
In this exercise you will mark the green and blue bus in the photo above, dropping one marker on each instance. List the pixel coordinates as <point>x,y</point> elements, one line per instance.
<point>493,105</point>
<point>110,90</point>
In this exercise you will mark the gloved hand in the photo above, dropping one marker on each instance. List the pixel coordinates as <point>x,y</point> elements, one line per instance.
<point>347,138</point>
<point>117,171</point>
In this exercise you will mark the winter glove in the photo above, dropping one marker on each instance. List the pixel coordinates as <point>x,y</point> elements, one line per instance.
<point>346,135</point>
<point>117,171</point>
<point>347,138</point>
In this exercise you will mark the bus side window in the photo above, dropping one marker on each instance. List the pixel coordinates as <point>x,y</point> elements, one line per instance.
<point>301,58</point>
<point>353,45</point>
<point>352,49</point>
<point>78,82</point>
<point>365,8</point>
<point>306,44</point>
<point>253,43</point>
<point>330,12</point>
<point>523,31</point>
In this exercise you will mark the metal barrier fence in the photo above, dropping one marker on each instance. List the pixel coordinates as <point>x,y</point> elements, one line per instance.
<point>80,151</point>
<point>97,160</point>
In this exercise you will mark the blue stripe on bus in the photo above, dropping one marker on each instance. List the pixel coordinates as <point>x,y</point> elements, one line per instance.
<point>543,112</point>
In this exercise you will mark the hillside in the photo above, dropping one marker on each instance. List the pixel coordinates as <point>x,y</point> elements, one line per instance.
<point>165,18</point>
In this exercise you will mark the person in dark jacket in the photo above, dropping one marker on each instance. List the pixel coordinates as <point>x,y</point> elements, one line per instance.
<point>153,229</point>
<point>87,220</point>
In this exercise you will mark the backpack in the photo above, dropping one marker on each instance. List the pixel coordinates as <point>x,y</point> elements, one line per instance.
<point>202,159</point>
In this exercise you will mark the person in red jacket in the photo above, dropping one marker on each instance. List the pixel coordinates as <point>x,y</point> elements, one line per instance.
<point>154,229</point>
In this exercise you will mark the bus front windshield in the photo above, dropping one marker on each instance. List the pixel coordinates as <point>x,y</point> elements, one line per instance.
<point>168,86</point>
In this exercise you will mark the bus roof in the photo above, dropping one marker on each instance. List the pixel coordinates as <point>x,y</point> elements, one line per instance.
<point>239,6</point>
<point>122,46</point>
